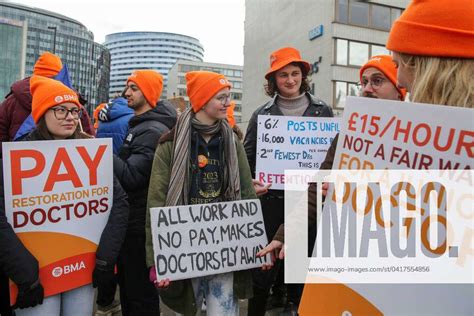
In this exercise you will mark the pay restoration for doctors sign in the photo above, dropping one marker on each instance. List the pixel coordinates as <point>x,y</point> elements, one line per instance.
<point>58,197</point>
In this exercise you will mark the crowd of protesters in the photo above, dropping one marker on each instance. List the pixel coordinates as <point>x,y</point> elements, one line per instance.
<point>161,159</point>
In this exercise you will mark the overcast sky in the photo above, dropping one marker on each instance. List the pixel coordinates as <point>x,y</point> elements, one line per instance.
<point>217,24</point>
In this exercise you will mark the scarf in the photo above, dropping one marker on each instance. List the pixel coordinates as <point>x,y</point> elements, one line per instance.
<point>178,188</point>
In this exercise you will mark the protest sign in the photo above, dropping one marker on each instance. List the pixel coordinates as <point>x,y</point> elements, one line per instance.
<point>205,239</point>
<point>380,134</point>
<point>58,197</point>
<point>287,142</point>
<point>405,136</point>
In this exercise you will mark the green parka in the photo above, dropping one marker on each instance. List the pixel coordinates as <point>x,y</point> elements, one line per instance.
<point>179,296</point>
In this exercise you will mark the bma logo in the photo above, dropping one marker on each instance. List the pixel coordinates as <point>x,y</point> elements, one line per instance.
<point>57,272</point>
<point>66,97</point>
<point>69,268</point>
<point>69,97</point>
<point>377,59</point>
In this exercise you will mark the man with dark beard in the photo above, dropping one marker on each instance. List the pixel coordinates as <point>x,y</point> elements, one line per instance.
<point>378,79</point>
<point>132,166</point>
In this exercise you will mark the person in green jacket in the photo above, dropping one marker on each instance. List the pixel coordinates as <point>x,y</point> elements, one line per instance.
<point>201,161</point>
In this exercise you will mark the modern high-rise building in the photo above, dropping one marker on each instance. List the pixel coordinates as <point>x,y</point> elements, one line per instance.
<point>12,58</point>
<point>335,36</point>
<point>88,62</point>
<point>177,81</point>
<point>148,50</point>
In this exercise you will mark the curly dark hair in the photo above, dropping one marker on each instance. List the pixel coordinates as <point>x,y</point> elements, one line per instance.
<point>271,88</point>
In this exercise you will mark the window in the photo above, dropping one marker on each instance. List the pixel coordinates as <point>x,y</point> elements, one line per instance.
<point>351,53</point>
<point>342,11</point>
<point>379,50</point>
<point>236,84</point>
<point>340,94</point>
<point>359,13</point>
<point>380,17</point>
<point>358,53</point>
<point>228,72</point>
<point>237,96</point>
<point>395,13</point>
<point>341,90</point>
<point>363,13</point>
<point>185,68</point>
<point>341,51</point>
<point>352,89</point>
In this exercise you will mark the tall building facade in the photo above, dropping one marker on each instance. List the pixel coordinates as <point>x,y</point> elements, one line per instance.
<point>88,62</point>
<point>177,81</point>
<point>335,36</point>
<point>148,50</point>
<point>12,59</point>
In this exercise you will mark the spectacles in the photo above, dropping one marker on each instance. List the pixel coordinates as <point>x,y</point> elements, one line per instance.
<point>224,98</point>
<point>61,113</point>
<point>375,82</point>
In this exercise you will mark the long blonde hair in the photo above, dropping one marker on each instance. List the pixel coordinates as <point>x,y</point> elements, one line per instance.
<point>446,81</point>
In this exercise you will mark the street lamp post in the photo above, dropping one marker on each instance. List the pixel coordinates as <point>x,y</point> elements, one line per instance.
<point>54,37</point>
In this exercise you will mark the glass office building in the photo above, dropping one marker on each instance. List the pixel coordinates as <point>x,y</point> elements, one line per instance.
<point>148,50</point>
<point>88,62</point>
<point>12,58</point>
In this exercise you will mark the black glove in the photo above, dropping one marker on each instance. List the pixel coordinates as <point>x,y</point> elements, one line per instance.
<point>29,296</point>
<point>105,280</point>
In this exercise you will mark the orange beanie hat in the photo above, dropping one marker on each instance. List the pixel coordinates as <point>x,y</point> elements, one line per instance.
<point>385,64</point>
<point>439,28</point>
<point>47,65</point>
<point>47,93</point>
<point>230,114</point>
<point>285,56</point>
<point>201,86</point>
<point>150,83</point>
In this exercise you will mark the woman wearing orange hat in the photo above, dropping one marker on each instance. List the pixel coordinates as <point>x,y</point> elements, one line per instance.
<point>287,84</point>
<point>201,143</point>
<point>56,111</point>
<point>433,46</point>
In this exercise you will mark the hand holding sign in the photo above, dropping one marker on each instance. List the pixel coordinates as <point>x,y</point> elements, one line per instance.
<point>324,188</point>
<point>30,296</point>
<point>260,187</point>
<point>163,284</point>
<point>276,250</point>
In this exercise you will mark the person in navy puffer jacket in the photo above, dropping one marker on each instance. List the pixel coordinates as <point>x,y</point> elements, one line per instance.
<point>114,119</point>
